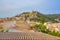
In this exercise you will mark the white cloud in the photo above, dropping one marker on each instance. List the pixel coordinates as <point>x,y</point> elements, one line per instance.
<point>14,5</point>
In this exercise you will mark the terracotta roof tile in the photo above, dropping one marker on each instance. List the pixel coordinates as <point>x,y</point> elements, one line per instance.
<point>26,36</point>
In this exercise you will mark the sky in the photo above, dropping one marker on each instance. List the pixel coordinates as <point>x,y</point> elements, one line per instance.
<point>9,8</point>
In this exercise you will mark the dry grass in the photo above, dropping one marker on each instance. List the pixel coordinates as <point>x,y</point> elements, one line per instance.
<point>21,25</point>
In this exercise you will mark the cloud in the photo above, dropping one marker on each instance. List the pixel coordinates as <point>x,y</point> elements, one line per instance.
<point>10,8</point>
<point>14,5</point>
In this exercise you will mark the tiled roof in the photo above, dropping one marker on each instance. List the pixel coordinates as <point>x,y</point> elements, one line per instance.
<point>26,36</point>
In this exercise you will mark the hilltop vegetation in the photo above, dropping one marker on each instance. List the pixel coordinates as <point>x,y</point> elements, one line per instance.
<point>37,16</point>
<point>54,17</point>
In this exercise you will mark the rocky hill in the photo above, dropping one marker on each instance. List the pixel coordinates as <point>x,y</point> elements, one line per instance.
<point>26,19</point>
<point>36,16</point>
<point>30,16</point>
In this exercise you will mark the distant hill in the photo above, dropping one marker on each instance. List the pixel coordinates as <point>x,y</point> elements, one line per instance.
<point>53,17</point>
<point>35,16</point>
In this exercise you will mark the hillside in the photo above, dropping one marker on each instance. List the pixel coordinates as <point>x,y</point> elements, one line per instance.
<point>36,16</point>
<point>30,16</point>
<point>26,19</point>
<point>54,17</point>
<point>25,22</point>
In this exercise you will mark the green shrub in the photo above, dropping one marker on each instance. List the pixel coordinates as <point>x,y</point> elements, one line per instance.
<point>1,30</point>
<point>42,28</point>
